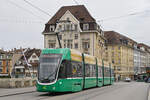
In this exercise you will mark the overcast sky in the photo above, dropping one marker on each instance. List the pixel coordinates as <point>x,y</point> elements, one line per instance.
<point>21,24</point>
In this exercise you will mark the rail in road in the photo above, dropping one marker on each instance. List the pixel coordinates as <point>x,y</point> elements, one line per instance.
<point>121,89</point>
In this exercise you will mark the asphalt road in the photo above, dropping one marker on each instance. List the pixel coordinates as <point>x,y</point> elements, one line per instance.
<point>118,91</point>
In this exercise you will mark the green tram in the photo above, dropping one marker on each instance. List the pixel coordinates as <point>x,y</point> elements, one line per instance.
<point>67,70</point>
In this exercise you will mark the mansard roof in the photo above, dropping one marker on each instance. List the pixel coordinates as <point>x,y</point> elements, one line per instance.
<point>116,38</point>
<point>79,11</point>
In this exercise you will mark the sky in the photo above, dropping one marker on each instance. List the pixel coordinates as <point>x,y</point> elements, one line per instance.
<point>21,25</point>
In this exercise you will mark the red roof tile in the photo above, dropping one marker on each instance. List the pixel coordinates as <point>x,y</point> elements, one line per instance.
<point>79,11</point>
<point>116,38</point>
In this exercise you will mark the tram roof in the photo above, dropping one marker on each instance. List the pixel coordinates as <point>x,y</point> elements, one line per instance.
<point>64,51</point>
<point>72,54</point>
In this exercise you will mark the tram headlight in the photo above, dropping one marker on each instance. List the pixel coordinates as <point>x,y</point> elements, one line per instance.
<point>60,83</point>
<point>53,88</point>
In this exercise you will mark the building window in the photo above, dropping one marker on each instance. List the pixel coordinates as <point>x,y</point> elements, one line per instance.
<point>34,56</point>
<point>67,27</point>
<point>71,28</point>
<point>68,19</point>
<point>119,61</point>
<point>119,47</point>
<point>7,56</point>
<point>113,60</point>
<point>0,69</point>
<point>76,45</point>
<point>64,45</point>
<point>36,61</point>
<point>60,28</point>
<point>69,44</point>
<point>119,68</point>
<point>7,63</point>
<point>51,45</point>
<point>0,63</point>
<point>76,36</point>
<point>75,27</point>
<point>112,54</point>
<point>112,48</point>
<point>106,54</point>
<point>85,26</point>
<point>31,61</point>
<point>0,56</point>
<point>52,28</point>
<point>106,48</point>
<point>86,45</point>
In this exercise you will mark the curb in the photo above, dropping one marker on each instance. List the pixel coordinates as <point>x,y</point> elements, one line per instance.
<point>11,94</point>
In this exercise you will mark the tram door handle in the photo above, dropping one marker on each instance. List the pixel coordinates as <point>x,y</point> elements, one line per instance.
<point>100,81</point>
<point>77,83</point>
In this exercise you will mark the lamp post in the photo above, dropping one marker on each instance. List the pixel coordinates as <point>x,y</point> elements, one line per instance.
<point>58,39</point>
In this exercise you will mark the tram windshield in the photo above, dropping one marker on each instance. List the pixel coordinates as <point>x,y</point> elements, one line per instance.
<point>48,68</point>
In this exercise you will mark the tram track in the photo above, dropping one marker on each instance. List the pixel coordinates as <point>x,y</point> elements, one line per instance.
<point>88,94</point>
<point>96,92</point>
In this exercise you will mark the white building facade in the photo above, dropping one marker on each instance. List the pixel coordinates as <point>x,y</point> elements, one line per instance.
<point>76,29</point>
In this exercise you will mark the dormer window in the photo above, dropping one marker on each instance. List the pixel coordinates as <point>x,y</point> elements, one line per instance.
<point>68,19</point>
<point>52,28</point>
<point>81,19</point>
<point>85,26</point>
<point>60,28</point>
<point>75,27</point>
<point>33,56</point>
<point>68,27</point>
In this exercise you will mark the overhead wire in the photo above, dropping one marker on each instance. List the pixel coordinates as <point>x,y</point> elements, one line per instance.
<point>15,4</point>
<point>39,9</point>
<point>122,16</point>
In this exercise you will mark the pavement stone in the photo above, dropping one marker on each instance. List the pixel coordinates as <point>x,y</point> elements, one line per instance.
<point>14,91</point>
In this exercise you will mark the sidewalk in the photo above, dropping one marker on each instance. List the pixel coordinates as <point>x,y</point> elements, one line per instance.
<point>15,91</point>
<point>149,93</point>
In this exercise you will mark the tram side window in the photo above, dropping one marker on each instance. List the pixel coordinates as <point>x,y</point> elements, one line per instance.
<point>99,71</point>
<point>65,70</point>
<point>62,70</point>
<point>76,69</point>
<point>106,72</point>
<point>90,70</point>
<point>93,71</point>
<point>87,70</point>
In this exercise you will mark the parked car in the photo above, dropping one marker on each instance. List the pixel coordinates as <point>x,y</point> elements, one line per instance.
<point>127,79</point>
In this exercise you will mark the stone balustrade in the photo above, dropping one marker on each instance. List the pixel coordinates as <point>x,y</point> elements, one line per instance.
<point>17,82</point>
